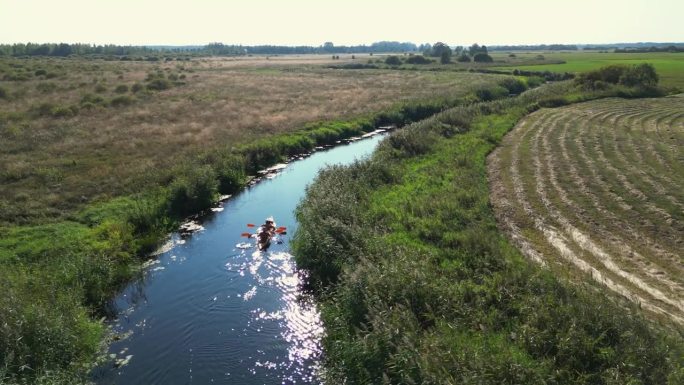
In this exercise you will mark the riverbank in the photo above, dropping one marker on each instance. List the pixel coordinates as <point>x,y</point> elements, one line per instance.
<point>418,285</point>
<point>59,277</point>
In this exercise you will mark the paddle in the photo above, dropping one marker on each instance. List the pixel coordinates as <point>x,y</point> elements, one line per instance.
<point>250,225</point>
<point>248,235</point>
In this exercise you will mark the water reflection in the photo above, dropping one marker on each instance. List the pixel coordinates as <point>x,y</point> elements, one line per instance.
<point>297,318</point>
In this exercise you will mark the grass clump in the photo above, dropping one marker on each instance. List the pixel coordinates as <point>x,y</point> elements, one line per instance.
<point>417,284</point>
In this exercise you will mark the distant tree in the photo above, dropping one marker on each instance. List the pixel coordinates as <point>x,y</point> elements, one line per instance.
<point>445,58</point>
<point>482,58</point>
<point>464,58</point>
<point>393,60</point>
<point>475,49</point>
<point>439,48</point>
<point>328,46</point>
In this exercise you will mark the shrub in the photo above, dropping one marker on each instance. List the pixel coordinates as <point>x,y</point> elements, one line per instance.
<point>4,94</point>
<point>230,172</point>
<point>418,59</point>
<point>513,85</point>
<point>464,59</point>
<point>54,110</point>
<point>121,89</point>
<point>158,84</point>
<point>121,101</point>
<point>64,111</point>
<point>640,75</point>
<point>40,72</point>
<point>94,99</point>
<point>393,60</point>
<point>482,58</point>
<point>137,87</point>
<point>46,87</point>
<point>193,191</point>
<point>535,81</point>
<point>100,88</point>
<point>445,58</point>
<point>489,94</point>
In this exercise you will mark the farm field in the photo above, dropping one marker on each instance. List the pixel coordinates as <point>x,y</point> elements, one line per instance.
<point>669,66</point>
<point>595,190</point>
<point>79,130</point>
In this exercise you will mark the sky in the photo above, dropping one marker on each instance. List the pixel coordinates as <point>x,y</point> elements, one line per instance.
<point>343,22</point>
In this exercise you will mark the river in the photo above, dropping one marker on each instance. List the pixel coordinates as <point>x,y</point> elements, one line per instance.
<point>212,309</point>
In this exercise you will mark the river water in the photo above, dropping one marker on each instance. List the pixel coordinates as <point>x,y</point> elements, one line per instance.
<point>213,309</point>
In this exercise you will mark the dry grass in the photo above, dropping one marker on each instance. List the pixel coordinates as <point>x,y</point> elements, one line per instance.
<point>596,189</point>
<point>51,165</point>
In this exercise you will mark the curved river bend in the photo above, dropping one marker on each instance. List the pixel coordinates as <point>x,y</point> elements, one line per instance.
<point>212,309</point>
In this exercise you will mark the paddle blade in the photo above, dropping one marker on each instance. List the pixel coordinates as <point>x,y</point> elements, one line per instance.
<point>247,235</point>
<point>250,225</point>
<point>281,231</point>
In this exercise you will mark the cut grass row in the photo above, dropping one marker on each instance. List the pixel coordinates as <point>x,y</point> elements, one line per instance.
<point>417,284</point>
<point>594,210</point>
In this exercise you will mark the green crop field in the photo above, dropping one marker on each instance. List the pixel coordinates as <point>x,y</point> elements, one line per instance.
<point>670,66</point>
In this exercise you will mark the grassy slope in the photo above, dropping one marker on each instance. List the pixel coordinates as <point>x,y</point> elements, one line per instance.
<point>670,66</point>
<point>421,287</point>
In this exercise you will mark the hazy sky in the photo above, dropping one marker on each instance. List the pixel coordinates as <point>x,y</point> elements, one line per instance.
<point>344,22</point>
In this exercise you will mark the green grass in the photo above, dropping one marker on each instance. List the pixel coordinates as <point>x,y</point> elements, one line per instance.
<point>670,66</point>
<point>417,285</point>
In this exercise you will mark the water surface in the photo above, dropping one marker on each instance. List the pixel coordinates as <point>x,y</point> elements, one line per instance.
<point>213,309</point>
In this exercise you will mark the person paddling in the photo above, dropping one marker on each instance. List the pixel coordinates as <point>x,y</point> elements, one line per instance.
<point>266,231</point>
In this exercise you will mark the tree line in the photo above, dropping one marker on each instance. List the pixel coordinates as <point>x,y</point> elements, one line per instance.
<point>64,49</point>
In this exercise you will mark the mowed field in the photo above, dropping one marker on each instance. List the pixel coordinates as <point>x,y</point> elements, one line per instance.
<point>77,130</point>
<point>669,66</point>
<point>596,190</point>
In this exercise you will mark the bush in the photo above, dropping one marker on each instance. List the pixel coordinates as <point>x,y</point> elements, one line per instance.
<point>121,89</point>
<point>418,59</point>
<point>535,81</point>
<point>158,84</point>
<point>445,58</point>
<point>640,76</point>
<point>40,72</point>
<point>193,191</point>
<point>100,88</point>
<point>64,111</point>
<point>94,99</point>
<point>464,59</point>
<point>489,94</point>
<point>121,101</point>
<point>137,87</point>
<point>513,85</point>
<point>55,111</point>
<point>482,58</point>
<point>393,60</point>
<point>4,94</point>
<point>46,87</point>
